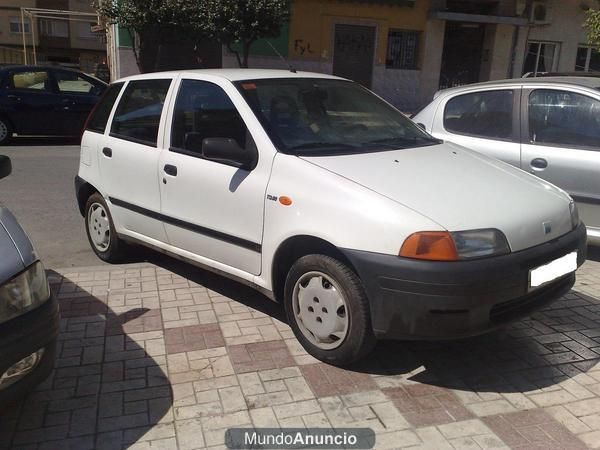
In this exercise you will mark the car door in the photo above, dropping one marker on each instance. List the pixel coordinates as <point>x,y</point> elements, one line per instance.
<point>78,95</point>
<point>486,121</point>
<point>31,102</point>
<point>129,155</point>
<point>561,144</point>
<point>213,211</point>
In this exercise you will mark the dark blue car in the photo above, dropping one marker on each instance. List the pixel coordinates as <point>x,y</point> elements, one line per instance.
<point>45,101</point>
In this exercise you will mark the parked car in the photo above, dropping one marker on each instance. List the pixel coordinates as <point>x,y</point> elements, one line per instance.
<point>321,195</point>
<point>549,127</point>
<point>45,101</point>
<point>29,320</point>
<point>590,73</point>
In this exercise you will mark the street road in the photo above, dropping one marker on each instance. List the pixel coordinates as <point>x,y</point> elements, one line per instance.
<point>40,193</point>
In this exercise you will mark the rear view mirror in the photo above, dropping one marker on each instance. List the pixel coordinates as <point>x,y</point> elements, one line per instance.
<point>5,166</point>
<point>227,151</point>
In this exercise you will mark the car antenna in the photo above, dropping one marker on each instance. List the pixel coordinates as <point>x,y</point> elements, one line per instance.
<point>290,67</point>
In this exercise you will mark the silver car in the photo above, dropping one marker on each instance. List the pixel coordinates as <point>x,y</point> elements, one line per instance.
<point>29,316</point>
<point>549,127</point>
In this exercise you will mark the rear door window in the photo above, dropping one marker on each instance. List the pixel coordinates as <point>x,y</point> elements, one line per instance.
<point>137,117</point>
<point>101,113</point>
<point>34,81</point>
<point>487,114</point>
<point>564,119</point>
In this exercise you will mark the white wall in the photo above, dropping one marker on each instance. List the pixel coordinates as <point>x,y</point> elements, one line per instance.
<point>566,28</point>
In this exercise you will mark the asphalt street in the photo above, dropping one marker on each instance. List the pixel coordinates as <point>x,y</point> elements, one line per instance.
<point>40,193</point>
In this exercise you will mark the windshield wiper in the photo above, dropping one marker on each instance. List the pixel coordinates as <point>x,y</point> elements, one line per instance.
<point>399,140</point>
<point>309,145</point>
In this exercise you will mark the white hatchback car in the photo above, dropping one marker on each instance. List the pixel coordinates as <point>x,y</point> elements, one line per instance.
<point>318,193</point>
<point>547,126</point>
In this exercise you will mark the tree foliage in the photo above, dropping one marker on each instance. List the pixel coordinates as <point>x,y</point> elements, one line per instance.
<point>240,22</point>
<point>592,24</point>
<point>236,24</point>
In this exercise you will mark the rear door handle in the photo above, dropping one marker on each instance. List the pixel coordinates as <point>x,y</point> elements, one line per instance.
<point>107,152</point>
<point>539,163</point>
<point>171,170</point>
<point>14,98</point>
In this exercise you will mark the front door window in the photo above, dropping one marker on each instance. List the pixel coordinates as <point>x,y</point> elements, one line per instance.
<point>564,119</point>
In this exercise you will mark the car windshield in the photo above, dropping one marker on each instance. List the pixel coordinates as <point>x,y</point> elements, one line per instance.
<point>316,116</point>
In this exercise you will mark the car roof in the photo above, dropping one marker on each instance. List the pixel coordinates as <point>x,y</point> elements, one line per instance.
<point>587,82</point>
<point>31,67</point>
<point>236,74</point>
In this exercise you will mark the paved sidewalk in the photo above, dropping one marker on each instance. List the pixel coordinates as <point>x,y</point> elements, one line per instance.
<point>152,359</point>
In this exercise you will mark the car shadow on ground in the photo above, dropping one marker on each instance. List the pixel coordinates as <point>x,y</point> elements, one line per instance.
<point>594,253</point>
<point>106,391</point>
<point>555,344</point>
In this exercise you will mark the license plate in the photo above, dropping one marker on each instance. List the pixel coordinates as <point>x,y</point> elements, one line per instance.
<point>553,270</point>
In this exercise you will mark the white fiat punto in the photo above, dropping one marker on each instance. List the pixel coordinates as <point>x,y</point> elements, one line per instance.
<point>326,198</point>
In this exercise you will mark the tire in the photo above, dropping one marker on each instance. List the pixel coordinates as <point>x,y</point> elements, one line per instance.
<point>328,310</point>
<point>101,232</point>
<point>6,131</point>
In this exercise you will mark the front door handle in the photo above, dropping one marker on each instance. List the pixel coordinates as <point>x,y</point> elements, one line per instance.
<point>539,163</point>
<point>14,98</point>
<point>107,152</point>
<point>171,170</point>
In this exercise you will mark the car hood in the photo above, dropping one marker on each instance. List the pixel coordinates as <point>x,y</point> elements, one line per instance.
<point>16,251</point>
<point>460,190</point>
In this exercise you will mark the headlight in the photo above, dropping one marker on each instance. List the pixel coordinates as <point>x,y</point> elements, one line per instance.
<point>24,292</point>
<point>459,245</point>
<point>478,243</point>
<point>574,214</point>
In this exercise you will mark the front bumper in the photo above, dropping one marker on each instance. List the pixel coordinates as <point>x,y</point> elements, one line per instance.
<point>412,299</point>
<point>24,335</point>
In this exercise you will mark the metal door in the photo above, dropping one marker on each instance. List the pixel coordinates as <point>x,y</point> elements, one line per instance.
<point>353,53</point>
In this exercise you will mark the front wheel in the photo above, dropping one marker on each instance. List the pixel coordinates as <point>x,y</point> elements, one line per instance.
<point>328,310</point>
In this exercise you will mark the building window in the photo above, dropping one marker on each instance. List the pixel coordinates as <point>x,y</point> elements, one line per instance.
<point>16,26</point>
<point>541,57</point>
<point>54,28</point>
<point>402,52</point>
<point>588,60</point>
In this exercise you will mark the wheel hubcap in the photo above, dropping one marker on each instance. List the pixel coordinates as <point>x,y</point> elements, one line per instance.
<point>320,310</point>
<point>3,131</point>
<point>99,227</point>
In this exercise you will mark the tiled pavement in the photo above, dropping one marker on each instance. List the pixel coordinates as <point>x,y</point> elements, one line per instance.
<point>151,358</point>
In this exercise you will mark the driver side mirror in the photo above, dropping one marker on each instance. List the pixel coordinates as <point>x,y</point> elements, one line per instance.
<point>5,166</point>
<point>227,151</point>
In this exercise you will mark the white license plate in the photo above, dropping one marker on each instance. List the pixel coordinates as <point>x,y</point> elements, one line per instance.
<point>553,270</point>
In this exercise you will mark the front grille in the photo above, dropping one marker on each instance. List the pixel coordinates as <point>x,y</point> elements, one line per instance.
<point>513,309</point>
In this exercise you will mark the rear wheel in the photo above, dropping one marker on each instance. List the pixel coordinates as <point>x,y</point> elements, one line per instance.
<point>101,230</point>
<point>5,131</point>
<point>328,310</point>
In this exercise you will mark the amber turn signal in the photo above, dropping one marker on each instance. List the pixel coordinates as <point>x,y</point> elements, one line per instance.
<point>285,201</point>
<point>430,245</point>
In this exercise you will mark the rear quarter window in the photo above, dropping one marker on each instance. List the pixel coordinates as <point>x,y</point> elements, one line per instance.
<point>100,114</point>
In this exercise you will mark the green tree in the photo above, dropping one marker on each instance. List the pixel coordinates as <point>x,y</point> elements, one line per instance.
<point>237,24</point>
<point>592,24</point>
<point>151,23</point>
